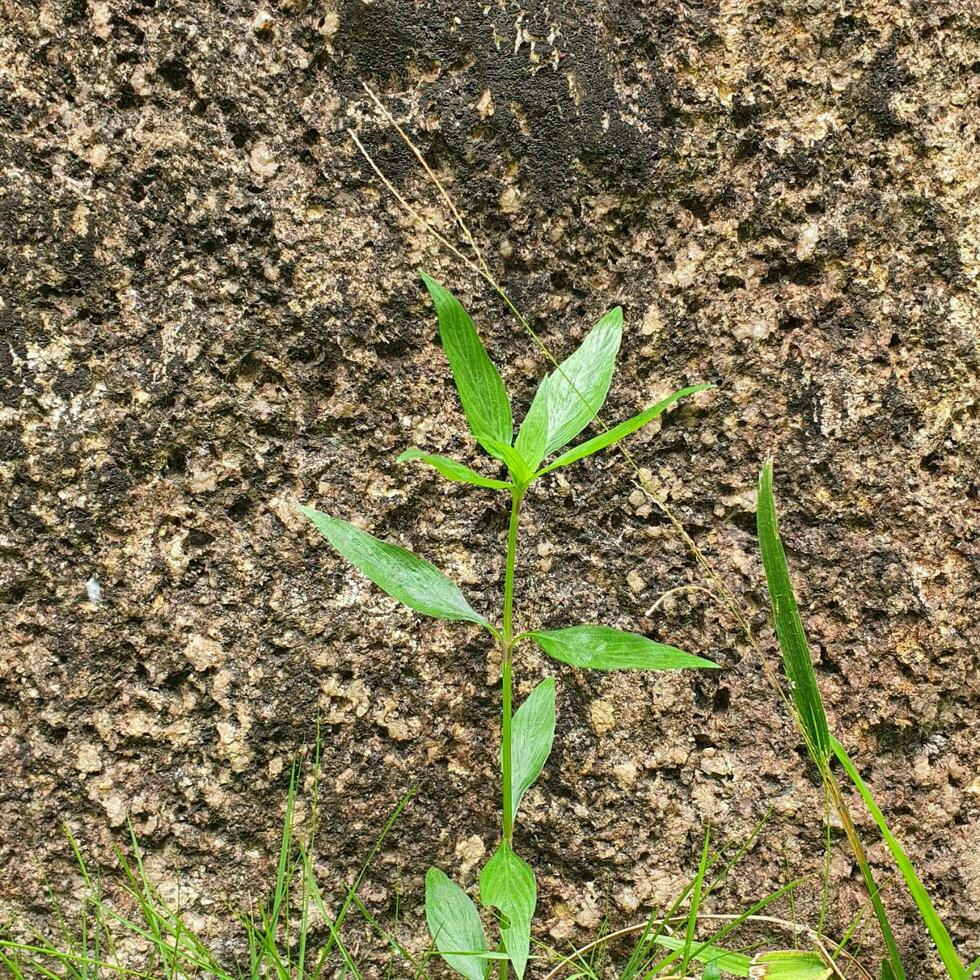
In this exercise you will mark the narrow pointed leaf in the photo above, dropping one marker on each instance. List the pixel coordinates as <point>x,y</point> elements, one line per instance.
<point>454,925</point>
<point>404,576</point>
<point>789,965</point>
<point>572,395</point>
<point>789,626</point>
<point>724,959</point>
<point>887,973</point>
<point>452,470</point>
<point>938,931</point>
<point>532,734</point>
<point>692,916</point>
<point>481,390</point>
<point>602,648</point>
<point>507,884</point>
<point>621,431</point>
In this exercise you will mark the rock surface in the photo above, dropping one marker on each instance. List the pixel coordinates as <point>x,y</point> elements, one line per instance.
<point>211,314</point>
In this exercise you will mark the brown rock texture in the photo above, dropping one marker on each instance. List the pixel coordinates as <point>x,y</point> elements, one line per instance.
<point>211,314</point>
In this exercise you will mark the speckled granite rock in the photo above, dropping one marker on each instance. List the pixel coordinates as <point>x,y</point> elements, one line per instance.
<point>210,314</point>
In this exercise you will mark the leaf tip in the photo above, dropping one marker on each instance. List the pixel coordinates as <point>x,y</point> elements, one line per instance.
<point>765,482</point>
<point>435,288</point>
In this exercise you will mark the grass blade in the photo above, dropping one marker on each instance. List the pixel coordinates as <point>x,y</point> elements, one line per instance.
<point>692,918</point>
<point>940,935</point>
<point>789,627</point>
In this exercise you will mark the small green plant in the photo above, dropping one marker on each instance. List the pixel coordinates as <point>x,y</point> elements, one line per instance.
<point>567,400</point>
<point>804,699</point>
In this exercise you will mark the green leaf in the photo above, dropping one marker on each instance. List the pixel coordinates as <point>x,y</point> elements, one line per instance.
<point>452,470</point>
<point>927,911</point>
<point>481,390</point>
<point>692,916</point>
<point>789,965</point>
<point>532,439</point>
<point>724,959</point>
<point>712,971</point>
<point>887,973</point>
<point>520,472</point>
<point>507,884</point>
<point>602,648</point>
<point>572,395</point>
<point>789,627</point>
<point>621,431</point>
<point>532,733</point>
<point>454,925</point>
<point>405,577</point>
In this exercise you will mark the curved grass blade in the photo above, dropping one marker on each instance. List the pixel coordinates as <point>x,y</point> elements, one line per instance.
<point>404,576</point>
<point>789,626</point>
<point>940,935</point>
<point>603,648</point>
<point>572,395</point>
<point>712,956</point>
<point>455,926</point>
<point>452,470</point>
<point>621,431</point>
<point>532,734</point>
<point>481,390</point>
<point>507,884</point>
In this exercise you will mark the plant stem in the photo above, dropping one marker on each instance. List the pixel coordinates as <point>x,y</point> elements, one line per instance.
<point>833,791</point>
<point>507,649</point>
